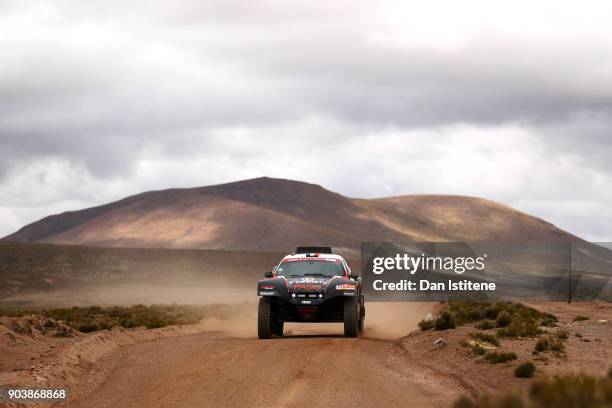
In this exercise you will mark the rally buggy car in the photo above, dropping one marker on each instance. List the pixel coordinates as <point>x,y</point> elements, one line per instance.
<point>310,285</point>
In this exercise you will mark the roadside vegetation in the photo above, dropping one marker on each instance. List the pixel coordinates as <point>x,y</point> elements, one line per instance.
<point>445,321</point>
<point>502,321</point>
<point>496,357</point>
<point>484,337</point>
<point>480,342</point>
<point>525,370</point>
<point>548,343</point>
<point>94,318</point>
<point>512,319</point>
<point>567,391</point>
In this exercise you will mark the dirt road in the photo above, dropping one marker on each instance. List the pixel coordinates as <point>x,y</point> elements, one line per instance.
<point>220,362</point>
<point>218,369</point>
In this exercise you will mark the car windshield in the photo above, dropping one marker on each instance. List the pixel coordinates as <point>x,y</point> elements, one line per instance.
<point>311,268</point>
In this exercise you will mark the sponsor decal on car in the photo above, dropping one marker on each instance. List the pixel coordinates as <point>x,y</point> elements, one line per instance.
<point>306,286</point>
<point>267,293</point>
<point>268,287</point>
<point>307,280</point>
<point>345,286</point>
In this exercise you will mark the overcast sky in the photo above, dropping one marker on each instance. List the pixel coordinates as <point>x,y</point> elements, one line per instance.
<point>510,101</point>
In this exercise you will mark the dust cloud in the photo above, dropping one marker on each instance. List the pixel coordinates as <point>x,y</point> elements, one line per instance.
<point>135,293</point>
<point>384,320</point>
<point>392,320</point>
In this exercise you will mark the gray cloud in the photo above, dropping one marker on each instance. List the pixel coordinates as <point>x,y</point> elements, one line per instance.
<point>512,103</point>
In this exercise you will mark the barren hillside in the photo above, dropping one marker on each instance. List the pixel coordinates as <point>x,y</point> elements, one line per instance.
<point>268,214</point>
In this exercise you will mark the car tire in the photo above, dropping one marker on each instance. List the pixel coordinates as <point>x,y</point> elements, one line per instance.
<point>277,328</point>
<point>351,317</point>
<point>362,307</point>
<point>361,313</point>
<point>264,318</point>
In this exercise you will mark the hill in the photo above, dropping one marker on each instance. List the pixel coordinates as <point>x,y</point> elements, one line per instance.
<point>267,214</point>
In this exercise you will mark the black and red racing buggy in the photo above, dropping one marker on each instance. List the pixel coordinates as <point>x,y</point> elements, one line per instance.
<point>311,285</point>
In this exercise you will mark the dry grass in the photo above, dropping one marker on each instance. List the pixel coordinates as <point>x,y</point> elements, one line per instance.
<point>496,357</point>
<point>484,337</point>
<point>94,318</point>
<point>569,391</point>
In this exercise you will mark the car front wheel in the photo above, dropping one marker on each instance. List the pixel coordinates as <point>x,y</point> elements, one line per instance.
<point>351,317</point>
<point>264,318</point>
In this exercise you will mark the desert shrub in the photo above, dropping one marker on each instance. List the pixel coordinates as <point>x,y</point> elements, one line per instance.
<point>525,370</point>
<point>467,312</point>
<point>495,357</point>
<point>475,314</point>
<point>490,312</point>
<point>445,321</point>
<point>556,345</point>
<point>570,391</point>
<point>503,319</point>
<point>484,337</point>
<point>472,311</point>
<point>485,325</point>
<point>506,401</point>
<point>542,344</point>
<point>580,318</point>
<point>562,334</point>
<point>520,328</point>
<point>426,324</point>
<point>545,343</point>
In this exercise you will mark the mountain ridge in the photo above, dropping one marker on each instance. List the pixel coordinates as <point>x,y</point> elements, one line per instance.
<point>272,214</point>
